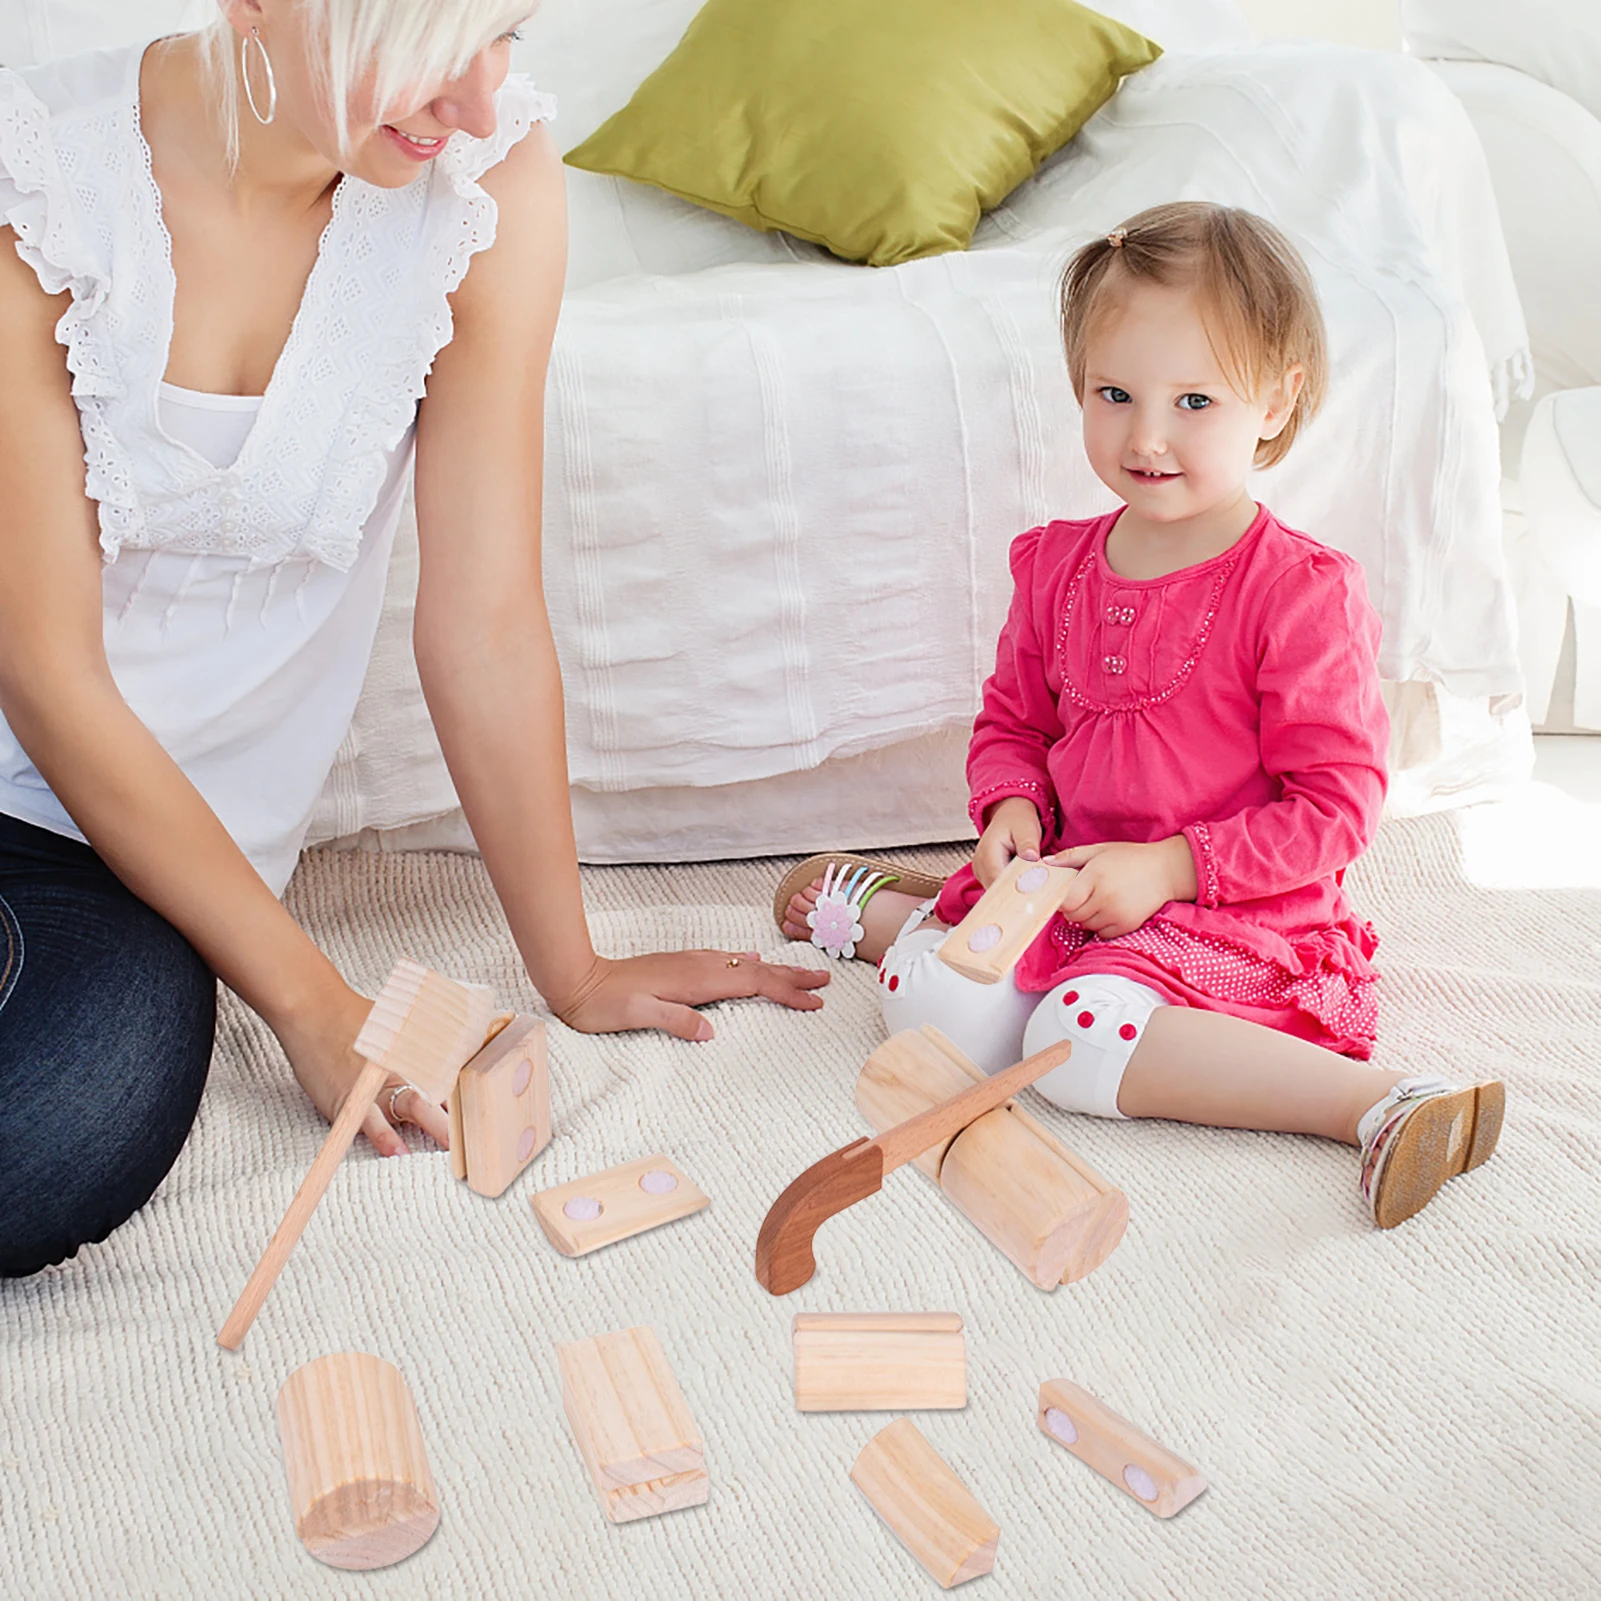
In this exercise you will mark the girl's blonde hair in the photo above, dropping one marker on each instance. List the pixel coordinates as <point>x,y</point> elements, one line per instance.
<point>1255,292</point>
<point>410,42</point>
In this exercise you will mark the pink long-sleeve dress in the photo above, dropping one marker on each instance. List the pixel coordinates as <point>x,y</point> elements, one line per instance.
<point>1235,702</point>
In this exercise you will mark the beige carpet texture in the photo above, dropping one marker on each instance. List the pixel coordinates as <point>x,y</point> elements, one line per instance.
<point>1410,1414</point>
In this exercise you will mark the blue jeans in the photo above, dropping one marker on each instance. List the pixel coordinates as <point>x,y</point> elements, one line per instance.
<point>106,1023</point>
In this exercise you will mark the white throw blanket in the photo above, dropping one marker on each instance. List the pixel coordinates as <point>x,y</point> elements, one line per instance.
<point>1408,1415</point>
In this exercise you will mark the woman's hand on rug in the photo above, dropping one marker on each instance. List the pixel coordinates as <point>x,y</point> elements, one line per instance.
<point>662,990</point>
<point>1120,886</point>
<point>1012,828</point>
<point>326,1067</point>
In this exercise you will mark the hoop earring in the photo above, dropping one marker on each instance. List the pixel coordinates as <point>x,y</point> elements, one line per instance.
<point>244,73</point>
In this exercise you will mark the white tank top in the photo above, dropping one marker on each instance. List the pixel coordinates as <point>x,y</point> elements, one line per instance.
<point>246,537</point>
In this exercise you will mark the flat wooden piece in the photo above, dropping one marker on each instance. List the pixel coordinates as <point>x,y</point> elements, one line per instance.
<point>501,1103</point>
<point>879,1361</point>
<point>631,1423</point>
<point>616,1204</point>
<point>1151,1474</point>
<point>1006,920</point>
<point>931,1512</point>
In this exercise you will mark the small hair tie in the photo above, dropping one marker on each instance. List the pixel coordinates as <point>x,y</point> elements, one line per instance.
<point>1116,237</point>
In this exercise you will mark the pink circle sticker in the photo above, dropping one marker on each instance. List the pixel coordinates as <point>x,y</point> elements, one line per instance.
<point>1036,877</point>
<point>525,1145</point>
<point>1061,1425</point>
<point>1140,1482</point>
<point>657,1182</point>
<point>583,1209</point>
<point>519,1079</point>
<point>985,938</point>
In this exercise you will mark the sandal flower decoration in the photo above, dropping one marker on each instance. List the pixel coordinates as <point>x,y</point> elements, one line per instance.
<point>835,922</point>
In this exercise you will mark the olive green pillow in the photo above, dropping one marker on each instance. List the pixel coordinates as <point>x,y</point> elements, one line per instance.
<point>882,129</point>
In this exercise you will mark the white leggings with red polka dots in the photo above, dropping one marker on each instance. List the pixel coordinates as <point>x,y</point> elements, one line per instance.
<point>1103,1014</point>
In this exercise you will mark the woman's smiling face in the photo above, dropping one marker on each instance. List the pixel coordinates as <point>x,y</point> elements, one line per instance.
<point>387,149</point>
<point>1164,426</point>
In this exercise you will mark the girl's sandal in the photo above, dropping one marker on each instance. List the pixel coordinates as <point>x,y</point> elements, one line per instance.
<point>849,882</point>
<point>1425,1131</point>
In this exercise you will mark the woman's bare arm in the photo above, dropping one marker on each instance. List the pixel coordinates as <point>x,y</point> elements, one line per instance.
<point>483,638</point>
<point>127,795</point>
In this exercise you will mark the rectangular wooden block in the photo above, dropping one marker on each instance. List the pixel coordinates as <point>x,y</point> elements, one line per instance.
<point>1009,915</point>
<point>879,1361</point>
<point>1133,1461</point>
<point>500,1108</point>
<point>931,1512</point>
<point>632,1425</point>
<point>611,1206</point>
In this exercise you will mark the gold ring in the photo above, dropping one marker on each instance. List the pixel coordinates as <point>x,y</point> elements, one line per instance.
<point>733,961</point>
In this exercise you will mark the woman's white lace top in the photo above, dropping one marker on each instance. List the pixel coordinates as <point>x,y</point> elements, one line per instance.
<point>246,538</point>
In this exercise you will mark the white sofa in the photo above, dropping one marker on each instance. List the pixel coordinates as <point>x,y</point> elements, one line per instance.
<point>1530,79</point>
<point>780,489</point>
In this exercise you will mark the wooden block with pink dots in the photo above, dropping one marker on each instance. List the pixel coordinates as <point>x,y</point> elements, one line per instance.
<point>1161,1482</point>
<point>500,1108</point>
<point>1008,918</point>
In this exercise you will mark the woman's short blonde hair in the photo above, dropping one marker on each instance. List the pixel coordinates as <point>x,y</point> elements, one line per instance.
<point>409,42</point>
<point>1255,292</point>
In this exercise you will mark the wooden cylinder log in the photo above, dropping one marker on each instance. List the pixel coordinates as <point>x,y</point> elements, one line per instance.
<point>358,1474</point>
<point>1048,1210</point>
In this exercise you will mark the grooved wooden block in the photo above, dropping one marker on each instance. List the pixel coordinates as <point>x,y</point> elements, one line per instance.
<point>931,1512</point>
<point>358,1474</point>
<point>879,1361</point>
<point>613,1205</point>
<point>1046,1208</point>
<point>632,1425</point>
<point>1006,920</point>
<point>500,1108</point>
<point>1132,1460</point>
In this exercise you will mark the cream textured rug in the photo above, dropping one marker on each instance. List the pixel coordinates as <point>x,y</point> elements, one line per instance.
<point>1411,1414</point>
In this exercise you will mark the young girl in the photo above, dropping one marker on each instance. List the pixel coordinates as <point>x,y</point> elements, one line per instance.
<point>1185,707</point>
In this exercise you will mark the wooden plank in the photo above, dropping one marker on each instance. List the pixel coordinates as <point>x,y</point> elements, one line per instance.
<point>1006,920</point>
<point>879,1362</point>
<point>615,1205</point>
<point>502,1104</point>
<point>627,1413</point>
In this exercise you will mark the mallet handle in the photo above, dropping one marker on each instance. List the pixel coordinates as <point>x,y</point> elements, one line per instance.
<point>304,1204</point>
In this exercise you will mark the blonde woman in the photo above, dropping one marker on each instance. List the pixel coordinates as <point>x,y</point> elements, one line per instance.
<point>248,274</point>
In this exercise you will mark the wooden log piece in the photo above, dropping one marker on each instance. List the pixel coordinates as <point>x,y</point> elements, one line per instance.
<point>879,1361</point>
<point>500,1108</point>
<point>617,1204</point>
<point>931,1512</point>
<point>1160,1481</point>
<point>1047,1209</point>
<point>353,1451</point>
<point>1006,920</point>
<point>632,1425</point>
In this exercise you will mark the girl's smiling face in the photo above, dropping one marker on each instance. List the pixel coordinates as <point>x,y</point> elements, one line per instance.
<point>1164,427</point>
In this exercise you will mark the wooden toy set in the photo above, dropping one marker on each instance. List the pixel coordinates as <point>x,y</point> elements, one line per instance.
<point>358,1474</point>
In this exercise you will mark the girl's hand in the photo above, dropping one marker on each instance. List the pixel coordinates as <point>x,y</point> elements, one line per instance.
<point>1011,829</point>
<point>662,990</point>
<point>319,1050</point>
<point>1119,886</point>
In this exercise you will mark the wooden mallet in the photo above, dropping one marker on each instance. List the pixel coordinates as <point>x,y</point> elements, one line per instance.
<point>784,1259</point>
<point>423,1028</point>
